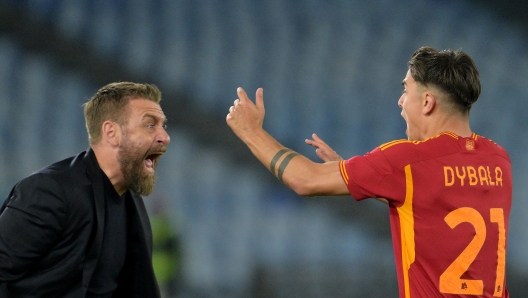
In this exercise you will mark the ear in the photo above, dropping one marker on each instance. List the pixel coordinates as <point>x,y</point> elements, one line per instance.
<point>428,103</point>
<point>111,132</point>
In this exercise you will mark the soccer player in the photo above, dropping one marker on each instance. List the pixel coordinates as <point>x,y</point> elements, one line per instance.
<point>448,189</point>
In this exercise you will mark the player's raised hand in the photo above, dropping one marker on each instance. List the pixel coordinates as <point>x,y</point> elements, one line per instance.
<point>244,116</point>
<point>323,150</point>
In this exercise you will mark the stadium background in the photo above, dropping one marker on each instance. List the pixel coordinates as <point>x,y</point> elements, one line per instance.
<point>330,67</point>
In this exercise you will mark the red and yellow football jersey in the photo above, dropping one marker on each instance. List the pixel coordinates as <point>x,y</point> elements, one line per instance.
<point>449,201</point>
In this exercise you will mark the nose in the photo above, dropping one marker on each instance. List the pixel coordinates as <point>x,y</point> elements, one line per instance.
<point>400,101</point>
<point>163,137</point>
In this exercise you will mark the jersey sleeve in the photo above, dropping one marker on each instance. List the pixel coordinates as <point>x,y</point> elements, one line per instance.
<point>373,176</point>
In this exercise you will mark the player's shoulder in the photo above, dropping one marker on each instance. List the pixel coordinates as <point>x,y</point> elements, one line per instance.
<point>484,143</point>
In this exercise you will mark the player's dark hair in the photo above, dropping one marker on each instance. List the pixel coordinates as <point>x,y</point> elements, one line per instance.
<point>453,72</point>
<point>110,102</point>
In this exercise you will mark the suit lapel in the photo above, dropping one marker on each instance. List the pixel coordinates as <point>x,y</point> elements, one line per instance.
<point>94,174</point>
<point>137,278</point>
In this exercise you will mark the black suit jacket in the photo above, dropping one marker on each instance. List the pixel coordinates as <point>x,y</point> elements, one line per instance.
<point>51,232</point>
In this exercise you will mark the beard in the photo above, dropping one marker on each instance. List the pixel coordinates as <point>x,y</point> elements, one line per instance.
<point>132,166</point>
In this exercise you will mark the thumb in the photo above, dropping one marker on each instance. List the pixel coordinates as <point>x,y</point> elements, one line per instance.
<point>259,98</point>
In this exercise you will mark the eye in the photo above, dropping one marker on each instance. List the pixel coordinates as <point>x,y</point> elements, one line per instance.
<point>150,126</point>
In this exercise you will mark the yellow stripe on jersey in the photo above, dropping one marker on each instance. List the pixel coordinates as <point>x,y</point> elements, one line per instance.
<point>343,171</point>
<point>454,135</point>
<point>396,142</point>
<point>390,144</point>
<point>405,213</point>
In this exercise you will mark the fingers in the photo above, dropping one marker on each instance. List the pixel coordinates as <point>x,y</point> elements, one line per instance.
<point>323,151</point>
<point>320,154</point>
<point>316,142</point>
<point>236,102</point>
<point>242,100</point>
<point>317,138</point>
<point>242,95</point>
<point>244,116</point>
<point>232,109</point>
<point>310,142</point>
<point>259,98</point>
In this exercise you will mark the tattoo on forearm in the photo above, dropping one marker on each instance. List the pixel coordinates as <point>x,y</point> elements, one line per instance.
<point>276,158</point>
<point>285,163</point>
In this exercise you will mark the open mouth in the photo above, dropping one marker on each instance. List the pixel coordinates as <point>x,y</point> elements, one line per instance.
<point>151,161</point>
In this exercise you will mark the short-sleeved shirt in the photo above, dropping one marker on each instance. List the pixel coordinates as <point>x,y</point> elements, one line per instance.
<point>449,203</point>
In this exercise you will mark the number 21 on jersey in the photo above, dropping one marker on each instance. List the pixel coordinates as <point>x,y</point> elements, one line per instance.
<point>451,281</point>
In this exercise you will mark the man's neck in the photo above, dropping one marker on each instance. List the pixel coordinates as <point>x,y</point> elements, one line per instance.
<point>457,125</point>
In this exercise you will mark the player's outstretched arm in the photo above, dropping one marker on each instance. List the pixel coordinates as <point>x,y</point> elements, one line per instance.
<point>299,173</point>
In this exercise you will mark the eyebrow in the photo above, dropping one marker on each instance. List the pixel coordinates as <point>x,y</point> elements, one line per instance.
<point>156,118</point>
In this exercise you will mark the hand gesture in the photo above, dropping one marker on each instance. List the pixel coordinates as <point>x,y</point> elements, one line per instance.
<point>323,150</point>
<point>245,117</point>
